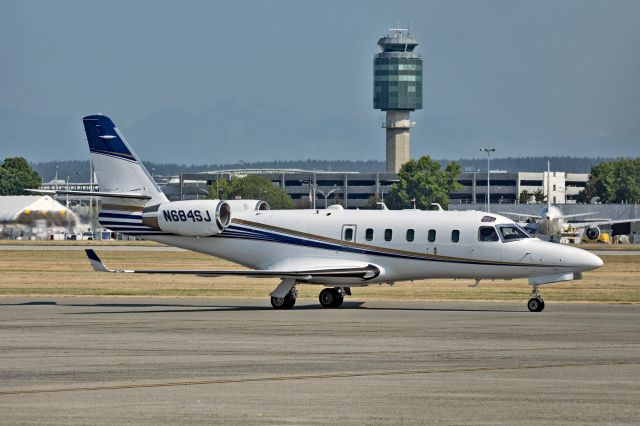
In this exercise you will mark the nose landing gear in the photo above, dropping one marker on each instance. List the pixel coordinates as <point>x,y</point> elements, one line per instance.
<point>535,304</point>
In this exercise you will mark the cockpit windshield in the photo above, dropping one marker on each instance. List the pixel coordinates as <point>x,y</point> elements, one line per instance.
<point>512,232</point>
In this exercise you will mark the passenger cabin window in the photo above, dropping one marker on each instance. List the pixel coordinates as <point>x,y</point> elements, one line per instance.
<point>348,234</point>
<point>512,232</point>
<point>455,235</point>
<point>388,234</point>
<point>368,234</point>
<point>410,234</point>
<point>487,233</point>
<point>432,235</point>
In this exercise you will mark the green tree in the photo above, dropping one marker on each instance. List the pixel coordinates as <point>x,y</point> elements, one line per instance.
<point>426,181</point>
<point>16,175</point>
<point>252,187</point>
<point>613,182</point>
<point>539,196</point>
<point>524,196</point>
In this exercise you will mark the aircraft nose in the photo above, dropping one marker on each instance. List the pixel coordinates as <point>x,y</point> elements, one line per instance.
<point>595,261</point>
<point>588,261</point>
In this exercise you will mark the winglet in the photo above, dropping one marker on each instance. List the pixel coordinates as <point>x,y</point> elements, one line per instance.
<point>95,261</point>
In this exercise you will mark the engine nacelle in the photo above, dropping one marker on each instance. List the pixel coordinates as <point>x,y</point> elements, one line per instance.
<point>189,218</point>
<point>592,233</point>
<point>246,205</point>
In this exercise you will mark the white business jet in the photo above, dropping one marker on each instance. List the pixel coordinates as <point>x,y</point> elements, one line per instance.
<point>332,247</point>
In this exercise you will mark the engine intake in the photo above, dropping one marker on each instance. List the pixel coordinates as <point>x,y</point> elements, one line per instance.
<point>592,233</point>
<point>189,218</point>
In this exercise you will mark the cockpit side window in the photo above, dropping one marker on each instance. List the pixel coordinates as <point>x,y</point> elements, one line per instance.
<point>512,232</point>
<point>487,233</point>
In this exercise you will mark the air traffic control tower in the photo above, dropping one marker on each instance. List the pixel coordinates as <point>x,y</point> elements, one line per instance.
<point>397,90</point>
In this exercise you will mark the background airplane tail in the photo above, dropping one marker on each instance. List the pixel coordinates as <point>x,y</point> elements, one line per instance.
<point>116,166</point>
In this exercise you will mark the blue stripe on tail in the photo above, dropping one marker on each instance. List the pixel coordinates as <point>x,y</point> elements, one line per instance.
<point>103,137</point>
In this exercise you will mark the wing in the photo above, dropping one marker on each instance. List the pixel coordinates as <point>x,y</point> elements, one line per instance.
<point>532,216</point>
<point>569,216</point>
<point>603,222</point>
<point>359,270</point>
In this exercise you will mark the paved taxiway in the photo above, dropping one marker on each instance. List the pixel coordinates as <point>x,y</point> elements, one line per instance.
<point>140,360</point>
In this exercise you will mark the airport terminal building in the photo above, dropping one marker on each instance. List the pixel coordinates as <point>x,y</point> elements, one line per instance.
<point>506,187</point>
<point>360,190</point>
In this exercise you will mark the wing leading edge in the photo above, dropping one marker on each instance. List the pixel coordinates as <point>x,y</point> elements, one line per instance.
<point>366,272</point>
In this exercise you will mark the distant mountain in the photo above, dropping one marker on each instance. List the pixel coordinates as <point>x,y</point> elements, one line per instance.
<point>78,171</point>
<point>230,131</point>
<point>223,133</point>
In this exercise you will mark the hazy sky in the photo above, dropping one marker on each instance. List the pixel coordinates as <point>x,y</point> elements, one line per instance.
<point>208,81</point>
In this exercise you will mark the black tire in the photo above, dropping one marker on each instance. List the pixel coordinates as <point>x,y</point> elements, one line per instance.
<point>330,298</point>
<point>286,302</point>
<point>326,297</point>
<point>535,304</point>
<point>338,300</point>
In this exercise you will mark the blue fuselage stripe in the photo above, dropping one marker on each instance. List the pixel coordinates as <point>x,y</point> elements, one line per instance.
<point>120,216</point>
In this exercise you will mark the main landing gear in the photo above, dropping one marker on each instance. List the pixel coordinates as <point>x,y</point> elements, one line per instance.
<point>535,304</point>
<point>333,297</point>
<point>284,296</point>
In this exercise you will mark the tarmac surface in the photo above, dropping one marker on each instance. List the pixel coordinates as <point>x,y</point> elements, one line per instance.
<point>236,361</point>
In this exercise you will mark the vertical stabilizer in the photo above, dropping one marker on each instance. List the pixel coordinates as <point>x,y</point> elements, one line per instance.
<point>548,185</point>
<point>115,164</point>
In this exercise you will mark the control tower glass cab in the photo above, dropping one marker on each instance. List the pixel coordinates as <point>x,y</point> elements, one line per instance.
<point>397,90</point>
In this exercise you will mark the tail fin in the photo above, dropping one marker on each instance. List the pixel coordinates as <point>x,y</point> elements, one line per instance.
<point>117,167</point>
<point>548,185</point>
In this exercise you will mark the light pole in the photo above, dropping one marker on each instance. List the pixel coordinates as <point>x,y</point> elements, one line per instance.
<point>488,151</point>
<point>326,196</point>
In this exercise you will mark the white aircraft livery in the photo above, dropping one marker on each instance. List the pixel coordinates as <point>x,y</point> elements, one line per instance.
<point>335,248</point>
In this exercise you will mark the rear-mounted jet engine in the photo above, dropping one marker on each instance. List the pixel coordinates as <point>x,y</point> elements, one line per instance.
<point>189,218</point>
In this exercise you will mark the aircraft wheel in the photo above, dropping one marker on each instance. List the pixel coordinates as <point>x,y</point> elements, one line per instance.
<point>535,304</point>
<point>338,301</point>
<point>330,298</point>
<point>286,302</point>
